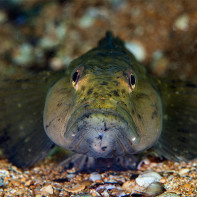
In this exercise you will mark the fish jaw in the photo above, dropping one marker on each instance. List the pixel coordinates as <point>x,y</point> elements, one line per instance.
<point>101,134</point>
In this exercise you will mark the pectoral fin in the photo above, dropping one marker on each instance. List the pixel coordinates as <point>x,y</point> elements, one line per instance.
<point>178,140</point>
<point>22,136</point>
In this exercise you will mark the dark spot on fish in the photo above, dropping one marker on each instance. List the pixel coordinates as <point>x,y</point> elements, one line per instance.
<point>191,85</point>
<point>83,88</point>
<point>58,119</point>
<point>140,96</point>
<point>59,104</point>
<point>102,54</point>
<point>104,83</point>
<point>115,93</point>
<point>90,91</point>
<point>123,91</point>
<point>154,114</point>
<point>100,137</point>
<point>87,115</point>
<point>105,127</point>
<point>103,148</point>
<point>95,94</point>
<point>116,83</point>
<point>133,112</point>
<point>139,117</point>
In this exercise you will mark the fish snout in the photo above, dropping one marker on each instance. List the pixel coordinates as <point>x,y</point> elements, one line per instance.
<point>100,135</point>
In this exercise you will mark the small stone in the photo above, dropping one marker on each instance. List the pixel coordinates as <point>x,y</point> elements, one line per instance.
<point>129,186</point>
<point>182,22</point>
<point>95,176</point>
<point>137,49</point>
<point>23,55</point>
<point>169,194</point>
<point>56,63</point>
<point>184,171</point>
<point>86,21</point>
<point>4,173</point>
<point>145,179</point>
<point>28,183</point>
<point>117,192</point>
<point>75,189</point>
<point>47,190</point>
<point>154,189</point>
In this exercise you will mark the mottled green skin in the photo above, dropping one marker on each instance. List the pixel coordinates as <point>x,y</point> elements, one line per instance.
<point>104,96</point>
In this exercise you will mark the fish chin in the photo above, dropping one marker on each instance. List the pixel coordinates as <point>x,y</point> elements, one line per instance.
<point>101,134</point>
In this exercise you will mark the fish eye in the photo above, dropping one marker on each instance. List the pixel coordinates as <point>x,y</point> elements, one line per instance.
<point>75,78</point>
<point>132,81</point>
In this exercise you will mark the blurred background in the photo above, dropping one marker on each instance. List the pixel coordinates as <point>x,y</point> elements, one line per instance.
<point>48,34</point>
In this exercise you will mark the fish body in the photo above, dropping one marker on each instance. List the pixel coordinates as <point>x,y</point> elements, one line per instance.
<point>105,105</point>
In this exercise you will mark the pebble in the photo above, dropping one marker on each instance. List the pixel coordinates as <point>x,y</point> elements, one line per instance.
<point>1,181</point>
<point>182,22</point>
<point>145,179</point>
<point>86,21</point>
<point>56,63</point>
<point>105,187</point>
<point>95,176</point>
<point>128,186</point>
<point>23,55</point>
<point>4,173</point>
<point>47,189</point>
<point>169,194</point>
<point>137,49</point>
<point>184,171</point>
<point>75,189</point>
<point>154,189</point>
<point>88,18</point>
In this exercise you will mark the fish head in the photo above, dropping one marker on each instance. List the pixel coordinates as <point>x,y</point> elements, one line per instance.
<point>104,107</point>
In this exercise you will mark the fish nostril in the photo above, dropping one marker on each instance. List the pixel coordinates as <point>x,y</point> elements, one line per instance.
<point>103,148</point>
<point>100,137</point>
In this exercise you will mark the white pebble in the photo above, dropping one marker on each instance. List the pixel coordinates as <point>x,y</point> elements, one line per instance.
<point>47,189</point>
<point>24,55</point>
<point>145,179</point>
<point>3,173</point>
<point>86,21</point>
<point>95,176</point>
<point>184,171</point>
<point>56,63</point>
<point>154,189</point>
<point>137,49</point>
<point>182,22</point>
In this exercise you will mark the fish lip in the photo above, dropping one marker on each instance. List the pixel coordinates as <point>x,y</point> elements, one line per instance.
<point>122,137</point>
<point>88,112</point>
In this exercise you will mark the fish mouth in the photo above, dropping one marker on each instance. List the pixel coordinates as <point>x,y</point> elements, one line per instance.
<point>100,133</point>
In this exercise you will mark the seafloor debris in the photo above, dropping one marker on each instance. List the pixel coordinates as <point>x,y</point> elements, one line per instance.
<point>49,179</point>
